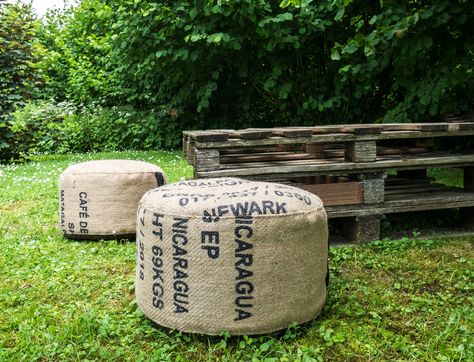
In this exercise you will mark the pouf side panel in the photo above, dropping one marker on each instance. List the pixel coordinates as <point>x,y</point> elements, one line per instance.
<point>102,204</point>
<point>112,167</point>
<point>240,299</point>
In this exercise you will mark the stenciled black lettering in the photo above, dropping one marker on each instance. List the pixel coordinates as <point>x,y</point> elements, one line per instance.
<point>83,205</point>
<point>179,240</point>
<point>158,226</point>
<point>157,288</point>
<point>62,213</point>
<point>243,264</point>
<point>210,243</point>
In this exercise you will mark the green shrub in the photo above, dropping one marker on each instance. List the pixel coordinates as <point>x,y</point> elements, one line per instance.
<point>52,127</point>
<point>230,63</point>
<point>17,75</point>
<point>45,127</point>
<point>124,128</point>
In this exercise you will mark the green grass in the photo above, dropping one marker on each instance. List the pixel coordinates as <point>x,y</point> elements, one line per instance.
<point>65,300</point>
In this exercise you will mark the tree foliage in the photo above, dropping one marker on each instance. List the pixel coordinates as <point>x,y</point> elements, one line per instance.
<point>17,75</point>
<point>246,62</point>
<point>240,63</point>
<point>76,47</point>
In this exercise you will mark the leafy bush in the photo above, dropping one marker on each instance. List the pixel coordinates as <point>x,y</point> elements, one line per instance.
<point>44,127</point>
<point>239,63</point>
<point>17,76</point>
<point>75,45</point>
<point>52,127</point>
<point>233,63</point>
<point>123,128</point>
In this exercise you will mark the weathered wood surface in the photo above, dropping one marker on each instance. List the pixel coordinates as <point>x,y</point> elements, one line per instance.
<point>402,181</point>
<point>332,137</point>
<point>447,198</point>
<point>251,133</point>
<point>343,193</point>
<point>282,169</point>
<point>227,138</point>
<point>292,132</point>
<point>208,136</point>
<point>395,190</point>
<point>361,151</point>
<point>263,157</point>
<point>206,160</point>
<point>312,151</point>
<point>316,150</point>
<point>315,156</point>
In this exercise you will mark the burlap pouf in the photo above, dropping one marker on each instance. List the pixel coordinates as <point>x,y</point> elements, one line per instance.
<point>231,255</point>
<point>99,199</point>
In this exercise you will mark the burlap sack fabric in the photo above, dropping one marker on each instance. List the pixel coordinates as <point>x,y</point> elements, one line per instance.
<point>231,255</point>
<point>99,199</point>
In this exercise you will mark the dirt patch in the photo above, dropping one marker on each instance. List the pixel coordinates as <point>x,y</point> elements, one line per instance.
<point>15,207</point>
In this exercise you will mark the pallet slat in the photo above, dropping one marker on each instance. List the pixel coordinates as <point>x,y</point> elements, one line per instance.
<point>344,193</point>
<point>354,129</point>
<point>445,199</point>
<point>321,166</point>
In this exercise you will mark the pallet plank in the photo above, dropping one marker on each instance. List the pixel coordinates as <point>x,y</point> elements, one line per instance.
<point>321,166</point>
<point>251,133</point>
<point>209,136</point>
<point>263,157</point>
<point>344,193</point>
<point>292,132</point>
<point>445,199</point>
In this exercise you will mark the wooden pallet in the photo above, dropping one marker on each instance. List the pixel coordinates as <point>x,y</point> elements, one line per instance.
<point>346,165</point>
<point>321,134</point>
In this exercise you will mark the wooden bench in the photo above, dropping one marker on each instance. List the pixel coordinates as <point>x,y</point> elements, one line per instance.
<point>361,172</point>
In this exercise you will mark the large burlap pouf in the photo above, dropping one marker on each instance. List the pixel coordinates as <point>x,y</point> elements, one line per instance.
<point>99,199</point>
<point>231,255</point>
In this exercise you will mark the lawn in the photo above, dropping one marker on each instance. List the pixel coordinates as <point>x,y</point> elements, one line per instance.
<point>63,300</point>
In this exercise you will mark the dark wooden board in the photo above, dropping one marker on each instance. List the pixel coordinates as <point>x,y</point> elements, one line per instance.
<point>264,157</point>
<point>461,126</point>
<point>392,190</point>
<point>326,129</point>
<point>362,129</point>
<point>292,132</point>
<point>209,136</point>
<point>403,202</point>
<point>251,133</point>
<point>343,193</point>
<point>434,127</point>
<point>324,166</point>
<point>400,127</point>
<point>395,181</point>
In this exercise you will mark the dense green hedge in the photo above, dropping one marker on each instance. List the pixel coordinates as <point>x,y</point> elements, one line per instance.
<point>240,63</point>
<point>62,127</point>
<point>17,75</point>
<point>247,62</point>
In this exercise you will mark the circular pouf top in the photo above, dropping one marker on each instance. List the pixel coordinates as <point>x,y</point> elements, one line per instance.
<point>231,255</point>
<point>99,199</point>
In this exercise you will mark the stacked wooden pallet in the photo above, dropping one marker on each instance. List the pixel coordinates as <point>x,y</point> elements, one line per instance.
<point>345,165</point>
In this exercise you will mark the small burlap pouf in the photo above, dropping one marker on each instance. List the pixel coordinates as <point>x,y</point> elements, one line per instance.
<point>99,199</point>
<point>231,255</point>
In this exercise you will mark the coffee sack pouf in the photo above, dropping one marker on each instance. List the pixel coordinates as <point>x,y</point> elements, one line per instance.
<point>231,255</point>
<point>99,199</point>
